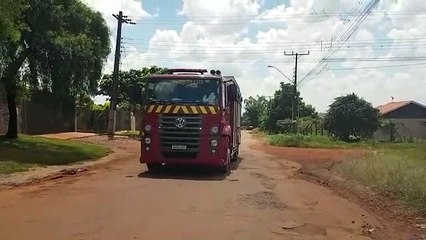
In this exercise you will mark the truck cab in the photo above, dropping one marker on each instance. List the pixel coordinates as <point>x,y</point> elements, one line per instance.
<point>191,117</point>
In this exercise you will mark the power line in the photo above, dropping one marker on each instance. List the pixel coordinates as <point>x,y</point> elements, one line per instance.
<point>296,96</point>
<point>355,11</point>
<point>215,59</point>
<point>307,42</point>
<point>377,67</point>
<point>343,37</point>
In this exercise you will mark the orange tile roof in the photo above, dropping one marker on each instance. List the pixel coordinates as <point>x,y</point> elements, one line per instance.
<point>392,106</point>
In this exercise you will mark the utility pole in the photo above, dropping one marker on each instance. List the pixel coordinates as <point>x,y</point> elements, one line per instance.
<point>296,97</point>
<point>113,107</point>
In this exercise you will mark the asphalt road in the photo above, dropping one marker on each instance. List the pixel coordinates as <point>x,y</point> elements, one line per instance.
<point>261,199</point>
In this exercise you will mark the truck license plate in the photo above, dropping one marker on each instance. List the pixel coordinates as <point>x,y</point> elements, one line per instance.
<point>178,147</point>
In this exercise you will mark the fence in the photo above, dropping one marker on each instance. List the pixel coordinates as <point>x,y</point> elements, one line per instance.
<point>42,119</point>
<point>97,121</point>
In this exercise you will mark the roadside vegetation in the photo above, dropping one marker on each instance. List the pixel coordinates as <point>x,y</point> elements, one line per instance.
<point>29,151</point>
<point>396,170</point>
<point>314,141</point>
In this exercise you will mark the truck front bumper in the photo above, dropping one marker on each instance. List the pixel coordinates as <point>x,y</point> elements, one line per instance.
<point>205,157</point>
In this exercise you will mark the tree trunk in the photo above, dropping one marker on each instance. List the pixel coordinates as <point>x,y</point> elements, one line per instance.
<point>9,79</point>
<point>12,130</point>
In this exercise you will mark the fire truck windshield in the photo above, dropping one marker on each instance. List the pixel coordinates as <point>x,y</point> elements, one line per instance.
<point>201,91</point>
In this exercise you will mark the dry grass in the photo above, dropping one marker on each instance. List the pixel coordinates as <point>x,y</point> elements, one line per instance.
<point>398,171</point>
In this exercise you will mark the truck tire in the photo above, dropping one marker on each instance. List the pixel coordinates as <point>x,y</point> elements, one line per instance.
<point>225,169</point>
<point>235,155</point>
<point>153,167</point>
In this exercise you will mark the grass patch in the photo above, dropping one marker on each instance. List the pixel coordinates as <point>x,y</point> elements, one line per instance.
<point>313,141</point>
<point>397,170</point>
<point>319,141</point>
<point>28,151</point>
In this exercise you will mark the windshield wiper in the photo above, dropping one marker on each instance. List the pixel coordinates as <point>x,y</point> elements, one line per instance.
<point>161,101</point>
<point>196,103</point>
<point>180,102</point>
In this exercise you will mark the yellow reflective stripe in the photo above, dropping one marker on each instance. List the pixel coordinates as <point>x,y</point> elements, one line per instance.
<point>159,109</point>
<point>150,109</point>
<point>213,110</point>
<point>167,110</point>
<point>203,109</point>
<point>177,108</point>
<point>194,110</point>
<point>185,109</point>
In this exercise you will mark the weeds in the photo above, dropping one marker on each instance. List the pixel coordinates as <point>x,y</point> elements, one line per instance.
<point>398,172</point>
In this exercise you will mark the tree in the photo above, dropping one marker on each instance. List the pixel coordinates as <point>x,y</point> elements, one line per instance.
<point>389,127</point>
<point>255,110</point>
<point>130,84</point>
<point>62,47</point>
<point>351,117</point>
<point>281,108</point>
<point>10,24</point>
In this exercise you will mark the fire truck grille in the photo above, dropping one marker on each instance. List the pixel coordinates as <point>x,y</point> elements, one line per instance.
<point>180,135</point>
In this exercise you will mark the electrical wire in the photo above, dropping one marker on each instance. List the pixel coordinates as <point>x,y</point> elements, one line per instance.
<point>343,37</point>
<point>377,67</point>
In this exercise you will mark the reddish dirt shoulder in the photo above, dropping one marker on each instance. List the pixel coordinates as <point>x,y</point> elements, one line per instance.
<point>317,166</point>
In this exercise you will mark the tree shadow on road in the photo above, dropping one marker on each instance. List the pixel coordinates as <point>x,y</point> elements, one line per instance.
<point>198,173</point>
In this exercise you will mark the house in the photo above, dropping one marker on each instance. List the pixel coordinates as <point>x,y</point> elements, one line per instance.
<point>409,118</point>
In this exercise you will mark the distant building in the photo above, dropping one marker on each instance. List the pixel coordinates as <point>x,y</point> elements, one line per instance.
<point>409,118</point>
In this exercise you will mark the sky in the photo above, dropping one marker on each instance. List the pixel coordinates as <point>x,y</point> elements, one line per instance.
<point>377,57</point>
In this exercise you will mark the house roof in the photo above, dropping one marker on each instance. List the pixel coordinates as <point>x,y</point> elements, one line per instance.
<point>392,106</point>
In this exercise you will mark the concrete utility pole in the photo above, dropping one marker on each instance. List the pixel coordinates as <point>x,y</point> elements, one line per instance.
<point>296,58</point>
<point>113,108</point>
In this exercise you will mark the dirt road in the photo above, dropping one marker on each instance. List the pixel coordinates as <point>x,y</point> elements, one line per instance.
<point>261,199</point>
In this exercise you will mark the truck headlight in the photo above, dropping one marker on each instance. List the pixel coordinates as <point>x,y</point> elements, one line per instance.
<point>214,130</point>
<point>147,140</point>
<point>148,128</point>
<point>213,143</point>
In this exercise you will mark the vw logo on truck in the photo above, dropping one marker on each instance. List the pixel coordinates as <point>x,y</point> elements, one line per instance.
<point>180,122</point>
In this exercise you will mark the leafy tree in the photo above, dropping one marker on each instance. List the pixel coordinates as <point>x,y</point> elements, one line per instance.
<point>130,84</point>
<point>282,106</point>
<point>10,24</point>
<point>255,110</point>
<point>389,127</point>
<point>351,117</point>
<point>62,47</point>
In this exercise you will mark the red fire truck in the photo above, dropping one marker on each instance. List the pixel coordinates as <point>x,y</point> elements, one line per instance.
<point>192,117</point>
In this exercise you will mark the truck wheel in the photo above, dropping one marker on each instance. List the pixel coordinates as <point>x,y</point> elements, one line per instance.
<point>154,167</point>
<point>226,168</point>
<point>235,156</point>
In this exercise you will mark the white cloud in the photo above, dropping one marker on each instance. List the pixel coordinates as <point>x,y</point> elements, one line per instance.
<point>132,8</point>
<point>214,37</point>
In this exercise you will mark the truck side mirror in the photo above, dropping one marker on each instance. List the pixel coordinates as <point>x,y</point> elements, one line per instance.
<point>233,93</point>
<point>136,94</point>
